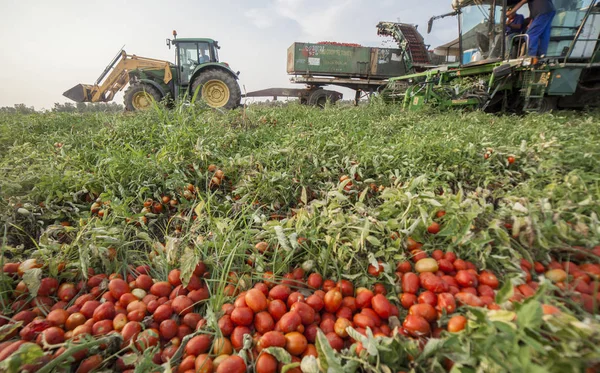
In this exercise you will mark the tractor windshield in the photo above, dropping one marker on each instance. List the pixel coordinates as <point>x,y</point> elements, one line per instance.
<point>481,32</point>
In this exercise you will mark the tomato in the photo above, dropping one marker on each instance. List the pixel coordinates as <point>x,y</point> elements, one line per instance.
<point>242,316</point>
<point>200,344</point>
<point>382,306</point>
<point>485,290</point>
<point>466,279</point>
<point>53,335</point>
<point>263,322</point>
<point>362,320</point>
<point>295,343</point>
<point>410,283</point>
<point>168,329</point>
<point>289,322</point>
<point>333,300</point>
<point>457,323</point>
<point>192,319</point>
<point>428,297</point>
<point>89,307</point>
<point>221,346</point>
<point>433,283</point>
<point>468,299</point>
<point>511,160</point>
<point>418,255</point>
<point>411,244</point>
<point>277,309</point>
<point>314,281</point>
<point>556,275</point>
<point>237,336</point>
<point>272,339</point>
<point>130,331</point>
<point>327,325</point>
<point>266,364</point>
<point>281,292</point>
<point>315,302</point>
<point>119,321</point>
<point>424,310</point>
<point>90,364</point>
<point>407,300</point>
<point>433,228</point>
<point>203,364</point>
<point>306,312</point>
<point>404,267</point>
<point>106,311</point>
<point>162,312</point>
<point>416,326</point>
<point>74,320</point>
<point>375,270</point>
<point>182,305</point>
<point>363,298</point>
<point>294,297</point>
<point>346,288</point>
<point>548,309</point>
<point>232,364</point>
<point>445,301</point>
<point>102,327</point>
<point>66,292</point>
<point>57,317</point>
<point>161,289</point>
<point>118,287</point>
<point>426,265</point>
<point>47,287</point>
<point>340,327</point>
<point>488,278</point>
<point>445,265</point>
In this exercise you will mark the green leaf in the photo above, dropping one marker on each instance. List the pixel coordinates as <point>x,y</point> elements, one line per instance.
<point>505,293</point>
<point>32,278</point>
<point>433,345</point>
<point>7,329</point>
<point>529,316</point>
<point>280,354</point>
<point>27,353</point>
<point>309,364</point>
<point>327,355</point>
<point>291,366</point>
<point>304,196</point>
<point>188,265</point>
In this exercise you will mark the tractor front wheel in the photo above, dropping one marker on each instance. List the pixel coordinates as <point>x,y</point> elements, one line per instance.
<point>217,88</point>
<point>139,96</point>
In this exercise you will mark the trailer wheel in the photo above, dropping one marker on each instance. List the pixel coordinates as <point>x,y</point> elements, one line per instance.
<point>319,98</point>
<point>548,104</point>
<point>139,96</point>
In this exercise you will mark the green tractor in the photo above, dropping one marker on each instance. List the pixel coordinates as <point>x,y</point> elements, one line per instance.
<point>197,73</point>
<point>493,72</point>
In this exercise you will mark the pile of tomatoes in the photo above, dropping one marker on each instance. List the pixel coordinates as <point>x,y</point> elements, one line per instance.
<point>354,45</point>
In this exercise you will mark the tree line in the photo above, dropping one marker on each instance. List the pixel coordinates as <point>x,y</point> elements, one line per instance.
<point>67,107</point>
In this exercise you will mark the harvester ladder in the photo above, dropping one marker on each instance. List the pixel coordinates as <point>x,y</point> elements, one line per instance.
<point>533,90</point>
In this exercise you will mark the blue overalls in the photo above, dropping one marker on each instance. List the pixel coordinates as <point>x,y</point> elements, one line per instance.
<point>542,12</point>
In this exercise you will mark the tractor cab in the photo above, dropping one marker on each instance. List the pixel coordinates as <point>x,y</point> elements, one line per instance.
<point>190,53</point>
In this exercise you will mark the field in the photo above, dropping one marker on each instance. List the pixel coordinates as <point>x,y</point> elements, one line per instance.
<point>372,239</point>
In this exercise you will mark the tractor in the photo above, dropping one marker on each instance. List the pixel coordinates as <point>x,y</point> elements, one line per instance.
<point>196,74</point>
<point>492,71</point>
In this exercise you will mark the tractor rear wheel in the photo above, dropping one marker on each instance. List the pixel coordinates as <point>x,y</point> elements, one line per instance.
<point>139,96</point>
<point>218,89</point>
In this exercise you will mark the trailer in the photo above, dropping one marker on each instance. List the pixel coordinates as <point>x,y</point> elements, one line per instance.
<point>365,70</point>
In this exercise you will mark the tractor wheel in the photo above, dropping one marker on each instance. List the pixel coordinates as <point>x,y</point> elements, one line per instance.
<point>218,89</point>
<point>139,96</point>
<point>547,105</point>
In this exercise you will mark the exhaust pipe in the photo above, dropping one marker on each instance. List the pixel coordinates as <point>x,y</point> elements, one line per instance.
<point>79,93</point>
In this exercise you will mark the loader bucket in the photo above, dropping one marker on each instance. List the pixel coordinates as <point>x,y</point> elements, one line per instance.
<point>79,93</point>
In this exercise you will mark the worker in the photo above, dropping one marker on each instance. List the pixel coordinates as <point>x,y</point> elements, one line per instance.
<point>514,23</point>
<point>203,57</point>
<point>541,12</point>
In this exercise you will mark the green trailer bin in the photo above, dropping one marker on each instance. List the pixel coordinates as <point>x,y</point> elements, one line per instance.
<point>344,61</point>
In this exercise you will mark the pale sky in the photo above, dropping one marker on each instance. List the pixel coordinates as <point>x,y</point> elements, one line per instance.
<point>50,46</point>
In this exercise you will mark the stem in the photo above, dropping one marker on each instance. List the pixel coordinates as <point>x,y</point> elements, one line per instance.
<point>50,367</point>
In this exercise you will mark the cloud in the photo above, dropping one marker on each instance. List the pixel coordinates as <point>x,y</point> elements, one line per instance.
<point>261,18</point>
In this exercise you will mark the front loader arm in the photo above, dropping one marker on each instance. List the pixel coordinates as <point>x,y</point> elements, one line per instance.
<point>115,77</point>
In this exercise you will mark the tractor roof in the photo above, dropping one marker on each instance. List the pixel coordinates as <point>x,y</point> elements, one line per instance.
<point>193,40</point>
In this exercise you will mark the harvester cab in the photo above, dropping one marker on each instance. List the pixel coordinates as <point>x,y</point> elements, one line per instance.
<point>196,74</point>
<point>489,67</point>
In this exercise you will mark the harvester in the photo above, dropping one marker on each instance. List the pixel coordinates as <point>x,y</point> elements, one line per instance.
<point>197,73</point>
<point>493,72</point>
